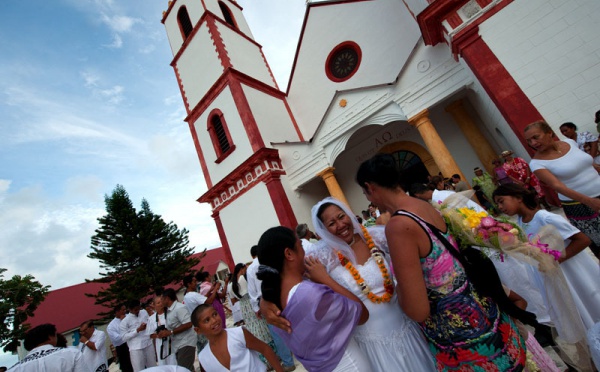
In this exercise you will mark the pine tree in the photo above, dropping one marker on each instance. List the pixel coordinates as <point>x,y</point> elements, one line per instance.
<point>139,252</point>
<point>19,298</point>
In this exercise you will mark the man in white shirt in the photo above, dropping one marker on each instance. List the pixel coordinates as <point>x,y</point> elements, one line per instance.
<point>93,347</point>
<point>305,235</point>
<point>192,299</point>
<point>254,291</point>
<point>114,333</point>
<point>133,328</point>
<point>44,356</point>
<point>179,328</point>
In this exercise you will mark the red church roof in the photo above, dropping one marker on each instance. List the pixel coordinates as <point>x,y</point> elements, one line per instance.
<point>68,307</point>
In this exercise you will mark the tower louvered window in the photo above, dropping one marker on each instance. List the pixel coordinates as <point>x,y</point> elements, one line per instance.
<point>227,14</point>
<point>184,22</point>
<point>220,133</point>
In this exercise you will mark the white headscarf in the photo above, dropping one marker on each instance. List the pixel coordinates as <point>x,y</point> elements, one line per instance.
<point>331,240</point>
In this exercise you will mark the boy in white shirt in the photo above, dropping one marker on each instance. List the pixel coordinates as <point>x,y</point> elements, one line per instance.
<point>235,349</point>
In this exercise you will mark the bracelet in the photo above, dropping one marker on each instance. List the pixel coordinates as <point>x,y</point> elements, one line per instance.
<point>85,343</point>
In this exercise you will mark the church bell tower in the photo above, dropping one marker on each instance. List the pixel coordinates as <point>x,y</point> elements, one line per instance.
<point>235,110</point>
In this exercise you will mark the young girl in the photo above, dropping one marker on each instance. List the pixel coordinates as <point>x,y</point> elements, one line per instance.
<point>323,316</point>
<point>579,268</point>
<point>231,349</point>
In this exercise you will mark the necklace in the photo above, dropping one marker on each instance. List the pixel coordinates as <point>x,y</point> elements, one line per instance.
<point>364,287</point>
<point>353,241</point>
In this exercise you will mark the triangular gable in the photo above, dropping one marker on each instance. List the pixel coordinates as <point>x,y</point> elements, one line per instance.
<point>384,30</point>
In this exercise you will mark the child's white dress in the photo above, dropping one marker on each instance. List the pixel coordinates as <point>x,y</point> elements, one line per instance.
<point>581,271</point>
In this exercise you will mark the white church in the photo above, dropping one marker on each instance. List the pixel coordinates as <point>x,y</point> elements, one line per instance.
<point>443,85</point>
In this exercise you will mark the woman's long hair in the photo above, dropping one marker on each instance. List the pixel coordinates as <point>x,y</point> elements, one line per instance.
<point>529,197</point>
<point>271,255</point>
<point>234,279</point>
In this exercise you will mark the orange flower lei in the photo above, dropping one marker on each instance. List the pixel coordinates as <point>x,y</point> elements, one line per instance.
<point>364,287</point>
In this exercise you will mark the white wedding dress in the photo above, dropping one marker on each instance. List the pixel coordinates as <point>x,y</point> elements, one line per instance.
<point>390,340</point>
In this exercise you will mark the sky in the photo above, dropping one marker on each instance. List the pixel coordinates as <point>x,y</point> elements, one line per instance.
<point>88,100</point>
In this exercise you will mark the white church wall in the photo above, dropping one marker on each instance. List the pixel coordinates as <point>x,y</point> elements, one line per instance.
<point>454,139</point>
<point>199,74</point>
<point>494,126</point>
<point>552,50</point>
<point>385,45</point>
<point>194,9</point>
<point>243,150</point>
<point>245,219</point>
<point>272,118</point>
<point>430,76</point>
<point>245,56</point>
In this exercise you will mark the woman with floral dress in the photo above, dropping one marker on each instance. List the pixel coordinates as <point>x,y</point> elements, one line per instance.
<point>466,331</point>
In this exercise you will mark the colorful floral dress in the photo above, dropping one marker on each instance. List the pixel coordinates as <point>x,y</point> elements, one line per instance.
<point>465,331</point>
<point>519,169</point>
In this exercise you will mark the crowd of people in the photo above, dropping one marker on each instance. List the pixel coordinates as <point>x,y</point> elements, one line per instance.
<point>389,291</point>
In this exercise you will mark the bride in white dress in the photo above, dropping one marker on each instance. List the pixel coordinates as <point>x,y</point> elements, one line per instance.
<point>391,340</point>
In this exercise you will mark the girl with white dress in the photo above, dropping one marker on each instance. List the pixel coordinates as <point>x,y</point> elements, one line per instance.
<point>390,340</point>
<point>580,268</point>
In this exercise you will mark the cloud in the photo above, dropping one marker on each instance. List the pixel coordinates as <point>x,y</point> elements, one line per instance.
<point>91,79</point>
<point>116,43</point>
<point>47,238</point>
<point>114,95</point>
<point>119,23</point>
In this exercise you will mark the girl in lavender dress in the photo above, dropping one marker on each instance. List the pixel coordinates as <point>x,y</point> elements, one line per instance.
<point>323,316</point>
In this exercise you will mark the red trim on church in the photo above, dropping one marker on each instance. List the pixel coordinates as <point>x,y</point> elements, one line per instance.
<point>186,103</point>
<point>200,154</point>
<point>224,242</point>
<point>261,165</point>
<point>243,107</point>
<point>431,18</point>
<point>281,203</point>
<point>296,127</point>
<point>504,91</point>
<point>215,35</point>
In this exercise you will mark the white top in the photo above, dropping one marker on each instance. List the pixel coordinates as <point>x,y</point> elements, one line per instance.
<point>114,332</point>
<point>306,244</point>
<point>242,288</point>
<point>254,284</point>
<point>585,137</point>
<point>192,300</point>
<point>154,321</point>
<point>575,169</point>
<point>242,358</point>
<point>166,369</point>
<point>129,325</point>
<point>236,312</point>
<point>48,358</point>
<point>581,271</point>
<point>95,359</point>
<point>177,314</point>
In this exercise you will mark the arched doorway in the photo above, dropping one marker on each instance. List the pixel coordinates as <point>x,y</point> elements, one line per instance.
<point>414,160</point>
<point>413,169</point>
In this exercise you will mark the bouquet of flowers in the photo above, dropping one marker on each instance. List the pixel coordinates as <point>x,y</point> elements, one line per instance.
<point>499,234</point>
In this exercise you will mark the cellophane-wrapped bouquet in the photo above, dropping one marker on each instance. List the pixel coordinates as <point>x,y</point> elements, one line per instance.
<point>499,234</point>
